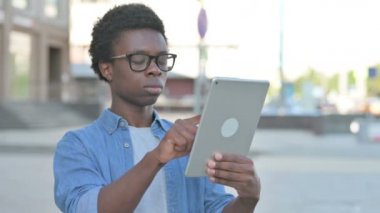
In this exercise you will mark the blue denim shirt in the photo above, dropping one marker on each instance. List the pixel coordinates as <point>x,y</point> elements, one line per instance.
<point>100,153</point>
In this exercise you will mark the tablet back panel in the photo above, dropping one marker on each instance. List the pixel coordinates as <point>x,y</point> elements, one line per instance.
<point>229,120</point>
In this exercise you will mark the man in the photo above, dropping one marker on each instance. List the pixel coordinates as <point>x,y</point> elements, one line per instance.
<point>130,159</point>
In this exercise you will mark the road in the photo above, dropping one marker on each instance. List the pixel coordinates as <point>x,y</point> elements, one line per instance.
<point>304,173</point>
<point>300,172</point>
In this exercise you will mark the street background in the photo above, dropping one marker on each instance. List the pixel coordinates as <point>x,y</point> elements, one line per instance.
<point>321,58</point>
<point>300,171</point>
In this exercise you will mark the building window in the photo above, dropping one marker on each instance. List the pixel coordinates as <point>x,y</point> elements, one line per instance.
<point>51,8</point>
<point>20,4</point>
<point>20,52</point>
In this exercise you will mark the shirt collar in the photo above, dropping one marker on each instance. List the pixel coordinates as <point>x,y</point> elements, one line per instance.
<point>111,121</point>
<point>159,123</point>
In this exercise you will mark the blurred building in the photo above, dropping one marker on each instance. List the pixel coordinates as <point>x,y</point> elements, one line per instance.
<point>34,49</point>
<point>84,86</point>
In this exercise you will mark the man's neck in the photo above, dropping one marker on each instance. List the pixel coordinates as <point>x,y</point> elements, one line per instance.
<point>137,117</point>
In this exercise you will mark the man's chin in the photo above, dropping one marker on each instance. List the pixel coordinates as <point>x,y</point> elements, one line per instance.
<point>151,101</point>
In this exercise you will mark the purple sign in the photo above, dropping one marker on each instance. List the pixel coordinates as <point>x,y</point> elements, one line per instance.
<point>372,72</point>
<point>202,23</point>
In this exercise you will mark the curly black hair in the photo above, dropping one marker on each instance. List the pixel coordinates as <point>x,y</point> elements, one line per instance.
<point>117,20</point>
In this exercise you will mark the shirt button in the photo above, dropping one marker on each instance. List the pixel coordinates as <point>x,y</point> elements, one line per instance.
<point>122,124</point>
<point>126,145</point>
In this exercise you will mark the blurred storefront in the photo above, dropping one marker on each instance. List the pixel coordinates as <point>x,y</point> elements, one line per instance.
<point>34,49</point>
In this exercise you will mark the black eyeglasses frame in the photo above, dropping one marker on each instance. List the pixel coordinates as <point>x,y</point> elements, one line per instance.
<point>130,55</point>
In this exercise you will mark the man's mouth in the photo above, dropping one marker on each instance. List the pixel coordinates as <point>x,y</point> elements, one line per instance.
<point>154,89</point>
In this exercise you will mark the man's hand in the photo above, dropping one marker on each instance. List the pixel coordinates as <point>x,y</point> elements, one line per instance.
<point>236,171</point>
<point>178,141</point>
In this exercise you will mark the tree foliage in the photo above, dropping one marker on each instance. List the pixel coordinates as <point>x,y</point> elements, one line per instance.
<point>328,83</point>
<point>373,83</point>
<point>351,78</point>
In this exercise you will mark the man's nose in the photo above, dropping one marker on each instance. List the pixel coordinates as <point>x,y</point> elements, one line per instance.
<point>153,69</point>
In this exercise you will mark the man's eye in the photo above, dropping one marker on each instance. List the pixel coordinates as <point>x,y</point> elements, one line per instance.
<point>162,60</point>
<point>139,59</point>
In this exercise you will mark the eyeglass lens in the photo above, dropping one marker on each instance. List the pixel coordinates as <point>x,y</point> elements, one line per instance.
<point>140,62</point>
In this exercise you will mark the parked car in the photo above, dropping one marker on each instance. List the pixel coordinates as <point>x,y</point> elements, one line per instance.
<point>366,129</point>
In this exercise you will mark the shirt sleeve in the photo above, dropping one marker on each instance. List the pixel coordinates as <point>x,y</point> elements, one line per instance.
<point>76,177</point>
<point>88,202</point>
<point>216,197</point>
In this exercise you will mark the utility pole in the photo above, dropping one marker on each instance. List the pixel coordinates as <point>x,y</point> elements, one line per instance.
<point>200,87</point>
<point>282,104</point>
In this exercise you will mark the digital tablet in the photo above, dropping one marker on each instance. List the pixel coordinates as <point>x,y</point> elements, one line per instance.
<point>229,120</point>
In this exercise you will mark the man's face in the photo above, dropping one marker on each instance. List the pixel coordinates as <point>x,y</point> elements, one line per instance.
<point>137,88</point>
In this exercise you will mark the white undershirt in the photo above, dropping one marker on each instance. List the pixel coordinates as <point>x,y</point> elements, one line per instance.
<point>154,198</point>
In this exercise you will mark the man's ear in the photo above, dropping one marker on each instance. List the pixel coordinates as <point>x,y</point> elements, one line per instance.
<point>106,70</point>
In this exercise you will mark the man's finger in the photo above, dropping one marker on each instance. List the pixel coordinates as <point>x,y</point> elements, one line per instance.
<point>231,158</point>
<point>195,119</point>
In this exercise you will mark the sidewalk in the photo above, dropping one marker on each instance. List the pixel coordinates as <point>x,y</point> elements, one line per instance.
<point>305,173</point>
<point>300,172</point>
<point>266,142</point>
<point>45,139</point>
<point>31,140</point>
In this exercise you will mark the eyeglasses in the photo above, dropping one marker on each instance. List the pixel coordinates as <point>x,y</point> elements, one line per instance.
<point>139,62</point>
